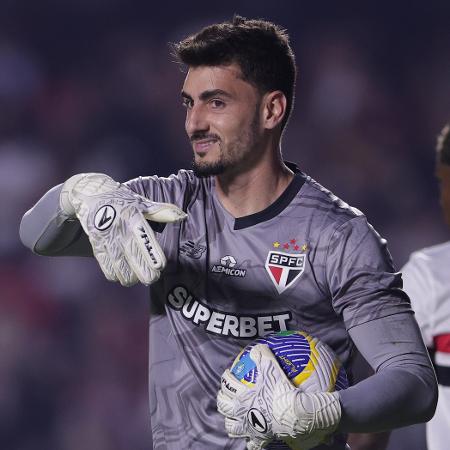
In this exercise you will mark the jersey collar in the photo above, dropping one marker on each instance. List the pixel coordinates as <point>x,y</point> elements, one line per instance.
<point>278,205</point>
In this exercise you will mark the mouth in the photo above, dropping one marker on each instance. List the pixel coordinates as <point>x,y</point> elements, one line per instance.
<point>202,146</point>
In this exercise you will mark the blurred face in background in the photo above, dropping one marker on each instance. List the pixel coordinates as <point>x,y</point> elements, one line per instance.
<point>222,119</point>
<point>443,174</point>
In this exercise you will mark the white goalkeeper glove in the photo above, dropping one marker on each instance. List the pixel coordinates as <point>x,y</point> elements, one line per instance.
<point>114,219</point>
<point>274,408</point>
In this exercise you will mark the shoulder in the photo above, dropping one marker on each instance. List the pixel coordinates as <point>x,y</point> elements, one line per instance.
<point>182,181</point>
<point>182,188</point>
<point>182,177</point>
<point>327,208</point>
<point>314,192</point>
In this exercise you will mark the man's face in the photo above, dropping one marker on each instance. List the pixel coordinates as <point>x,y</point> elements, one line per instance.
<point>222,119</point>
<point>443,174</point>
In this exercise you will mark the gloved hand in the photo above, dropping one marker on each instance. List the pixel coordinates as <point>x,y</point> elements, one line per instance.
<point>305,420</point>
<point>274,408</point>
<point>248,409</point>
<point>114,219</point>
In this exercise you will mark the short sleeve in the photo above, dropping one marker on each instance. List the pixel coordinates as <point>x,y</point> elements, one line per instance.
<point>419,286</point>
<point>361,278</point>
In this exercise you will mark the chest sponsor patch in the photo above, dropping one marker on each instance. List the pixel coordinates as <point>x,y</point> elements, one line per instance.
<point>284,269</point>
<point>228,267</point>
<point>223,323</point>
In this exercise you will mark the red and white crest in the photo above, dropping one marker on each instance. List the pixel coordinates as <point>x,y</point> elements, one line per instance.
<point>284,269</point>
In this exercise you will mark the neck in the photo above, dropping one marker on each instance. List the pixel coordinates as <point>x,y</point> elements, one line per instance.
<point>253,189</point>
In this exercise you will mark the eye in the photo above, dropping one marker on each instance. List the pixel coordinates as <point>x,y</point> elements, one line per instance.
<point>217,103</point>
<point>187,103</point>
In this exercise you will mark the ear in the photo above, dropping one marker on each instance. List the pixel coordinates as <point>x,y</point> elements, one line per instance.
<point>274,109</point>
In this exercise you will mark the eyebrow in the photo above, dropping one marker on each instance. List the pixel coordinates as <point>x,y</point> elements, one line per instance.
<point>206,95</point>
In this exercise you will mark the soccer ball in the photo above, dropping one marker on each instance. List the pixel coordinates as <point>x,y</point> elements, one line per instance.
<point>308,363</point>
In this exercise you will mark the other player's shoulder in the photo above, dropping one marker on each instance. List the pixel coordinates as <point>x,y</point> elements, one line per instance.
<point>435,254</point>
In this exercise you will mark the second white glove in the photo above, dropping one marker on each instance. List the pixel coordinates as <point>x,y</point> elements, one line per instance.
<point>274,408</point>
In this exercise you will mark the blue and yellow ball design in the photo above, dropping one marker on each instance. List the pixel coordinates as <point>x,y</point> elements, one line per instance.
<point>308,363</point>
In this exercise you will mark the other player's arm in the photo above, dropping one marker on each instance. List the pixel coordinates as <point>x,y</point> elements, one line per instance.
<point>418,284</point>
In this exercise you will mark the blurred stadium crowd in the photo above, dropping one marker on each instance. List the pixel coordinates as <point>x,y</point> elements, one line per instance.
<point>90,86</point>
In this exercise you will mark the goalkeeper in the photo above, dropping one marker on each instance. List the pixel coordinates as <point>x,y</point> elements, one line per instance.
<point>242,245</point>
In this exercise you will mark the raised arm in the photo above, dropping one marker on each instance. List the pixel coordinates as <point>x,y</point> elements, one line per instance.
<point>91,214</point>
<point>47,230</point>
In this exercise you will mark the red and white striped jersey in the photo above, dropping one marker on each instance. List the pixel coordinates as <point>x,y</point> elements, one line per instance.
<point>427,282</point>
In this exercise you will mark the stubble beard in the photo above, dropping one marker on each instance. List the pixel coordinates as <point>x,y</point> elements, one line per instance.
<point>207,169</point>
<point>231,157</point>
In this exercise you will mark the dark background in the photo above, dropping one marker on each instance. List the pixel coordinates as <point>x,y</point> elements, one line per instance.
<point>89,85</point>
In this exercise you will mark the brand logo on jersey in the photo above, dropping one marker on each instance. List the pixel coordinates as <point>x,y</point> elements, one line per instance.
<point>284,269</point>
<point>226,266</point>
<point>228,261</point>
<point>222,323</point>
<point>104,217</point>
<point>192,250</point>
<point>257,420</point>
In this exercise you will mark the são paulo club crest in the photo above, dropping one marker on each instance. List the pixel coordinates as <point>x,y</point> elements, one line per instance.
<point>284,268</point>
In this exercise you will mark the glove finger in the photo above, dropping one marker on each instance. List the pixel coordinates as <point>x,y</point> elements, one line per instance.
<point>328,369</point>
<point>268,365</point>
<point>147,250</point>
<point>124,273</point>
<point>136,260</point>
<point>113,263</point>
<point>234,427</point>
<point>122,269</point>
<point>225,404</point>
<point>163,212</point>
<point>104,261</point>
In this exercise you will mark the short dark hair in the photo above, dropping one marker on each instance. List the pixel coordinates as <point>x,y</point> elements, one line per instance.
<point>260,48</point>
<point>443,145</point>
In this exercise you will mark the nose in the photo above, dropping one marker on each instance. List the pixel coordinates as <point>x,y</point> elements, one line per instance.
<point>196,120</point>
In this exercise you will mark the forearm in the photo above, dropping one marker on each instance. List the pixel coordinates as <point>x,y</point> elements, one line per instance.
<point>46,230</point>
<point>403,390</point>
<point>391,399</point>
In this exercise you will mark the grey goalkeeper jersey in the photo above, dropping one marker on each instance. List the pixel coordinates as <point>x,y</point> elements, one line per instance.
<point>307,262</point>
